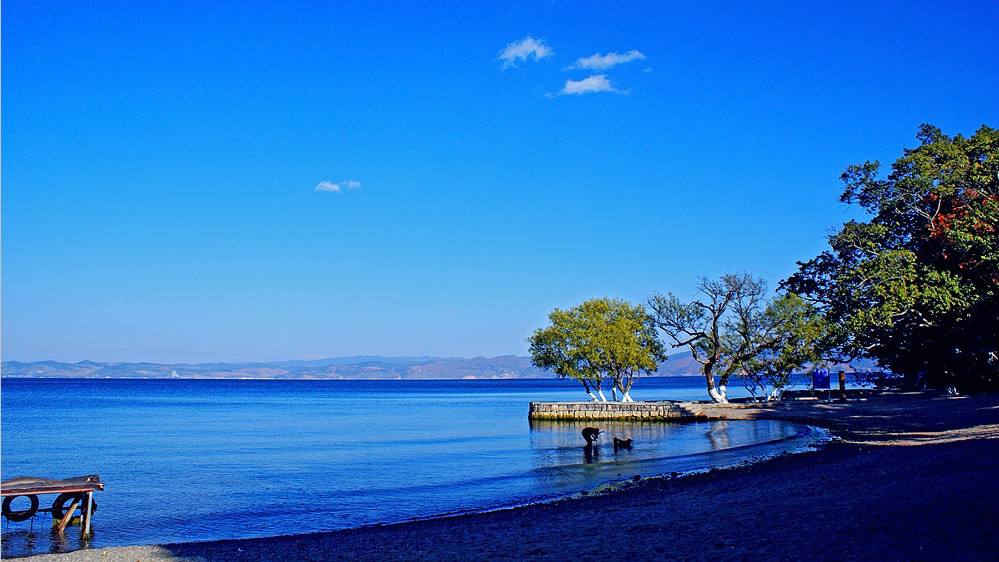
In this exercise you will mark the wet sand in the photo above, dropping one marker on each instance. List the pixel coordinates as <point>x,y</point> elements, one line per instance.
<point>912,477</point>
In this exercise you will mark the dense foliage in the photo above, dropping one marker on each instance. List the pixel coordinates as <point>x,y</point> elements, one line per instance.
<point>799,337</point>
<point>596,340</point>
<point>917,285</point>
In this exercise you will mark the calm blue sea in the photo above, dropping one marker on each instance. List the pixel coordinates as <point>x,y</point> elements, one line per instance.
<point>190,460</point>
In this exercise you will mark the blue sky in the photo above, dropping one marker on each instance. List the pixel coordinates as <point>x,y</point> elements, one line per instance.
<point>161,161</point>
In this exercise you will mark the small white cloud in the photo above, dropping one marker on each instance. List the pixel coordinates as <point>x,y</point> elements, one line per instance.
<point>523,50</point>
<point>331,187</point>
<point>610,60</point>
<point>589,85</point>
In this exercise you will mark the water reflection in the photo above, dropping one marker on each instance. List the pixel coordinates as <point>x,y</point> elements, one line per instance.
<point>42,540</point>
<point>718,435</point>
<point>556,443</point>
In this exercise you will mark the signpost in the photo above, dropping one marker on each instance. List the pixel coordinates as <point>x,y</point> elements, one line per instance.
<point>820,381</point>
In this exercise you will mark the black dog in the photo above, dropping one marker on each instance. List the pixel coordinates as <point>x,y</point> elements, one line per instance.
<point>621,444</point>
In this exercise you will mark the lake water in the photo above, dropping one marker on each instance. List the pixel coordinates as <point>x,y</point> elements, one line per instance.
<point>188,460</point>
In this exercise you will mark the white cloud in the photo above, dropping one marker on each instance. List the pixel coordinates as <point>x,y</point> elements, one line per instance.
<point>610,60</point>
<point>589,85</point>
<point>523,50</point>
<point>331,187</point>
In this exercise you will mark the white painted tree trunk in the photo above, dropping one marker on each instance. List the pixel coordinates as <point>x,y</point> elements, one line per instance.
<point>614,393</point>
<point>602,397</point>
<point>718,397</point>
<point>592,396</point>
<point>626,397</point>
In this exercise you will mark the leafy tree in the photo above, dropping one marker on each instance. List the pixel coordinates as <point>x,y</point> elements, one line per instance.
<point>916,286</point>
<point>598,339</point>
<point>799,339</point>
<point>723,328</point>
<point>559,348</point>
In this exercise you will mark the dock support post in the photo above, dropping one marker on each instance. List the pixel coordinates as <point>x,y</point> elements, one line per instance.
<point>86,515</point>
<point>68,516</point>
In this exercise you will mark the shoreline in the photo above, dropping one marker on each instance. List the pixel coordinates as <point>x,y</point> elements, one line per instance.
<point>895,432</point>
<point>812,439</point>
<point>611,487</point>
<point>312,378</point>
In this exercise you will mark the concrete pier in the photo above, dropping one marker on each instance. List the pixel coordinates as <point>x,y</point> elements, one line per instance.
<point>632,411</point>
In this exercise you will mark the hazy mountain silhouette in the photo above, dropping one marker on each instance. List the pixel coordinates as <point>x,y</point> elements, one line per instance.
<point>356,367</point>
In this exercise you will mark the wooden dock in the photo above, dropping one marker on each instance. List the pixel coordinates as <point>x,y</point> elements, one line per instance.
<point>73,494</point>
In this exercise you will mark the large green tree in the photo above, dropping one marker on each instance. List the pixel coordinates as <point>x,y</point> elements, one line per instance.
<point>916,285</point>
<point>597,340</point>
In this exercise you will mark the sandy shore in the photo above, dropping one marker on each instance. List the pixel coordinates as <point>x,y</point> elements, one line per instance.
<point>914,477</point>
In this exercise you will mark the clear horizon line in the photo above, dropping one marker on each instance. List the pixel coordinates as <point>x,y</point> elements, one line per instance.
<point>325,358</point>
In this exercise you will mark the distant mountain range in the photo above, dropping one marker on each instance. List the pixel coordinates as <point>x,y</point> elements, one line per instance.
<point>359,367</point>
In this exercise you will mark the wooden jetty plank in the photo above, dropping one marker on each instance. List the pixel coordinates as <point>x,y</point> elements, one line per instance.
<point>25,485</point>
<point>49,490</point>
<point>68,516</point>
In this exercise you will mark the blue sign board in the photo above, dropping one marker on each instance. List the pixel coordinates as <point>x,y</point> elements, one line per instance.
<point>820,379</point>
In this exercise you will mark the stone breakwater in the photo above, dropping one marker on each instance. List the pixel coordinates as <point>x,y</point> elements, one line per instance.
<point>640,411</point>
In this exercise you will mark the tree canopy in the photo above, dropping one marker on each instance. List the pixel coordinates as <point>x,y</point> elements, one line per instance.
<point>723,327</point>
<point>596,340</point>
<point>916,286</point>
<point>732,328</point>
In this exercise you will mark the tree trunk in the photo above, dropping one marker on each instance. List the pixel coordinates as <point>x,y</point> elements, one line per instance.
<point>602,397</point>
<point>625,389</point>
<point>709,377</point>
<point>717,397</point>
<point>625,394</point>
<point>614,393</point>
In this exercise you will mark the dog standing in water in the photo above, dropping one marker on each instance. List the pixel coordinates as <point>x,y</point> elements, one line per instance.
<point>621,444</point>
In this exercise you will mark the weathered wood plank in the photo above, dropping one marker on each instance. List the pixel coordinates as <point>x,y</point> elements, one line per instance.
<point>24,485</point>
<point>69,515</point>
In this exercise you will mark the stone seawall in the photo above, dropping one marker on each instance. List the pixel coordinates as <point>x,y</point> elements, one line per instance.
<point>643,411</point>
